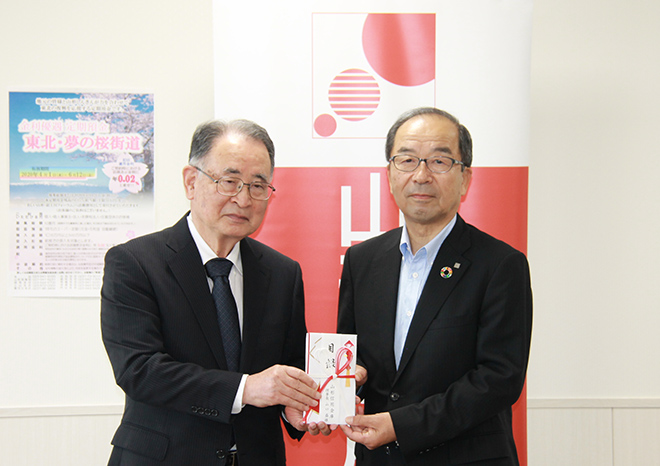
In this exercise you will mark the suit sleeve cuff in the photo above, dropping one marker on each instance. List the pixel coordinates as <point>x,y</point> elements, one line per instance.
<point>238,401</point>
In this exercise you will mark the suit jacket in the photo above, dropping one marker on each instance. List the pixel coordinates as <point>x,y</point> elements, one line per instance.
<point>161,333</point>
<point>465,357</point>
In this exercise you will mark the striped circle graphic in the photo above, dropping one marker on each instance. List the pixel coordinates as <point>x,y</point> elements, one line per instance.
<point>354,94</point>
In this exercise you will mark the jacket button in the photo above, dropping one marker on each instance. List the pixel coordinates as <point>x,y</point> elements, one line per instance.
<point>394,396</point>
<point>221,454</point>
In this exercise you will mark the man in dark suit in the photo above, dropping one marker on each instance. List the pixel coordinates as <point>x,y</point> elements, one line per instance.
<point>162,330</point>
<point>442,311</point>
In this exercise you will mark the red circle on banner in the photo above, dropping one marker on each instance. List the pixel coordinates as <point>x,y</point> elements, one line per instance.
<point>401,47</point>
<point>325,125</point>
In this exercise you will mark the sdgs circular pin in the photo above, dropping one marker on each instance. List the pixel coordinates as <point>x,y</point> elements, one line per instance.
<point>446,272</point>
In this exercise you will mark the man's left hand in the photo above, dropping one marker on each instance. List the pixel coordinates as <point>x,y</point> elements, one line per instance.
<point>372,430</point>
<point>295,418</point>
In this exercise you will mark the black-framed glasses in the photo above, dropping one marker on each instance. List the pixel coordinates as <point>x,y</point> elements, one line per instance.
<point>231,186</point>
<point>437,163</point>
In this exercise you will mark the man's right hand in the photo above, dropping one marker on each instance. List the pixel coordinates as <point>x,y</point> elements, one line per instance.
<point>360,375</point>
<point>281,385</point>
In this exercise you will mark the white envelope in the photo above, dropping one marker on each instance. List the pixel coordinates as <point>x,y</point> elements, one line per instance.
<point>330,360</point>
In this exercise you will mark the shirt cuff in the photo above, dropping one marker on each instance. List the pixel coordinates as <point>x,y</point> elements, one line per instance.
<point>238,401</point>
<point>284,416</point>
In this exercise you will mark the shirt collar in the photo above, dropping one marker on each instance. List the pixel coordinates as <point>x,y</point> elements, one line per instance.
<point>431,248</point>
<point>206,253</point>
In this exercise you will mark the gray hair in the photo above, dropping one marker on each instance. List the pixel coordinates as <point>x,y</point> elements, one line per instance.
<point>208,133</point>
<point>464,138</point>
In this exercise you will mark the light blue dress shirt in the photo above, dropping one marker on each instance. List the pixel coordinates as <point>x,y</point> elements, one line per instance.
<point>414,272</point>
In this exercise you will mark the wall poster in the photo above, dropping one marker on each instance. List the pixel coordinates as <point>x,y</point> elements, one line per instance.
<point>81,180</point>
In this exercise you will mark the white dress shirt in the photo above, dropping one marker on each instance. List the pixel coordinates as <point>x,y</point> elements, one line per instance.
<point>236,285</point>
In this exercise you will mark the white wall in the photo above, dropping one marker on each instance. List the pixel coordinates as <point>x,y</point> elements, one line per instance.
<point>51,348</point>
<point>594,224</point>
<point>594,218</point>
<point>594,211</point>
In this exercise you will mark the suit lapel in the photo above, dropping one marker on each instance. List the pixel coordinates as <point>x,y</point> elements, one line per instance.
<point>187,268</point>
<point>386,269</point>
<point>438,287</point>
<point>256,279</point>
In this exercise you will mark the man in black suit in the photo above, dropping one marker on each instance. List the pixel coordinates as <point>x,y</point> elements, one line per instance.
<point>442,311</point>
<point>162,331</point>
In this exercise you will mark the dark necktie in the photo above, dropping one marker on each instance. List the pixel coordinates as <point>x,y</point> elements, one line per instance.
<point>218,269</point>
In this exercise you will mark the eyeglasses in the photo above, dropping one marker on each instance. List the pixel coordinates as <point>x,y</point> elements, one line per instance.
<point>230,186</point>
<point>437,164</point>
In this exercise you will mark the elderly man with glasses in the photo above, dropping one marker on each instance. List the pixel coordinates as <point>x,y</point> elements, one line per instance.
<point>442,311</point>
<point>204,326</point>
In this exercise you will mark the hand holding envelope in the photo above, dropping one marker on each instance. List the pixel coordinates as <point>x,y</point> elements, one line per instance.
<point>281,385</point>
<point>373,430</point>
<point>295,418</point>
<point>360,377</point>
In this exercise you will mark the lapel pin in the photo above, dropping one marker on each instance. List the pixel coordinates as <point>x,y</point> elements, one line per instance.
<point>446,272</point>
<point>457,265</point>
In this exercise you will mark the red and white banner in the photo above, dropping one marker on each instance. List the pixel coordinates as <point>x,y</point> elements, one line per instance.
<point>327,80</point>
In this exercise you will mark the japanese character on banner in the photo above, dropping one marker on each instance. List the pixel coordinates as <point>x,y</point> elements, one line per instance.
<point>331,361</point>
